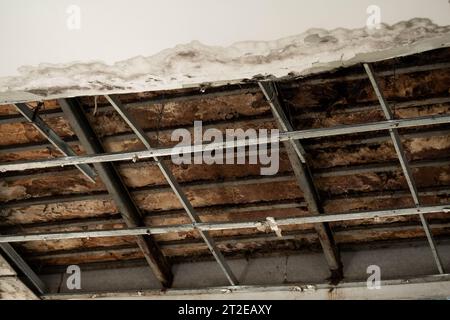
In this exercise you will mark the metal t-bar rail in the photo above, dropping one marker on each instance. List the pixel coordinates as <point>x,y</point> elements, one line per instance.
<point>403,162</point>
<point>176,189</point>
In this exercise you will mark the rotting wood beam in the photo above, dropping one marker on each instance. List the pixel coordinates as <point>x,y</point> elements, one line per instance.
<point>283,136</point>
<point>362,76</point>
<point>237,240</point>
<point>114,219</point>
<point>152,133</point>
<point>115,186</point>
<point>396,140</point>
<point>377,167</point>
<point>297,157</point>
<point>147,102</point>
<point>71,141</point>
<point>198,186</point>
<point>222,209</point>
<point>143,190</point>
<point>218,226</point>
<point>337,171</point>
<point>176,188</point>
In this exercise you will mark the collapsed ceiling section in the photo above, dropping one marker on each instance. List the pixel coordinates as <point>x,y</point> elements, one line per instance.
<point>343,173</point>
<point>194,63</point>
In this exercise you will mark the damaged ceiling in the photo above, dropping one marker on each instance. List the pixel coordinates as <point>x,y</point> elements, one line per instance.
<point>352,173</point>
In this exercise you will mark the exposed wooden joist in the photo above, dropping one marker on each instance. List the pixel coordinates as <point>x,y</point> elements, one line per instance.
<point>326,172</point>
<point>223,209</point>
<point>284,136</point>
<point>148,102</point>
<point>213,124</point>
<point>136,231</point>
<point>145,190</point>
<point>430,191</point>
<point>112,219</point>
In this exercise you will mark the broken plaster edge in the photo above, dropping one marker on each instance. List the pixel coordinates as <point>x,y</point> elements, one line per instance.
<point>421,46</point>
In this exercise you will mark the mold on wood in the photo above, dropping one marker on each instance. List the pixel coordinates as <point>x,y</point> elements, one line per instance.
<point>70,202</point>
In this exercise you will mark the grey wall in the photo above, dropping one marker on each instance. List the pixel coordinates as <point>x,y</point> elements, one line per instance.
<point>307,268</point>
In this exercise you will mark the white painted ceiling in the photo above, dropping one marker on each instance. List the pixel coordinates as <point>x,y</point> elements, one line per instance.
<point>33,32</point>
